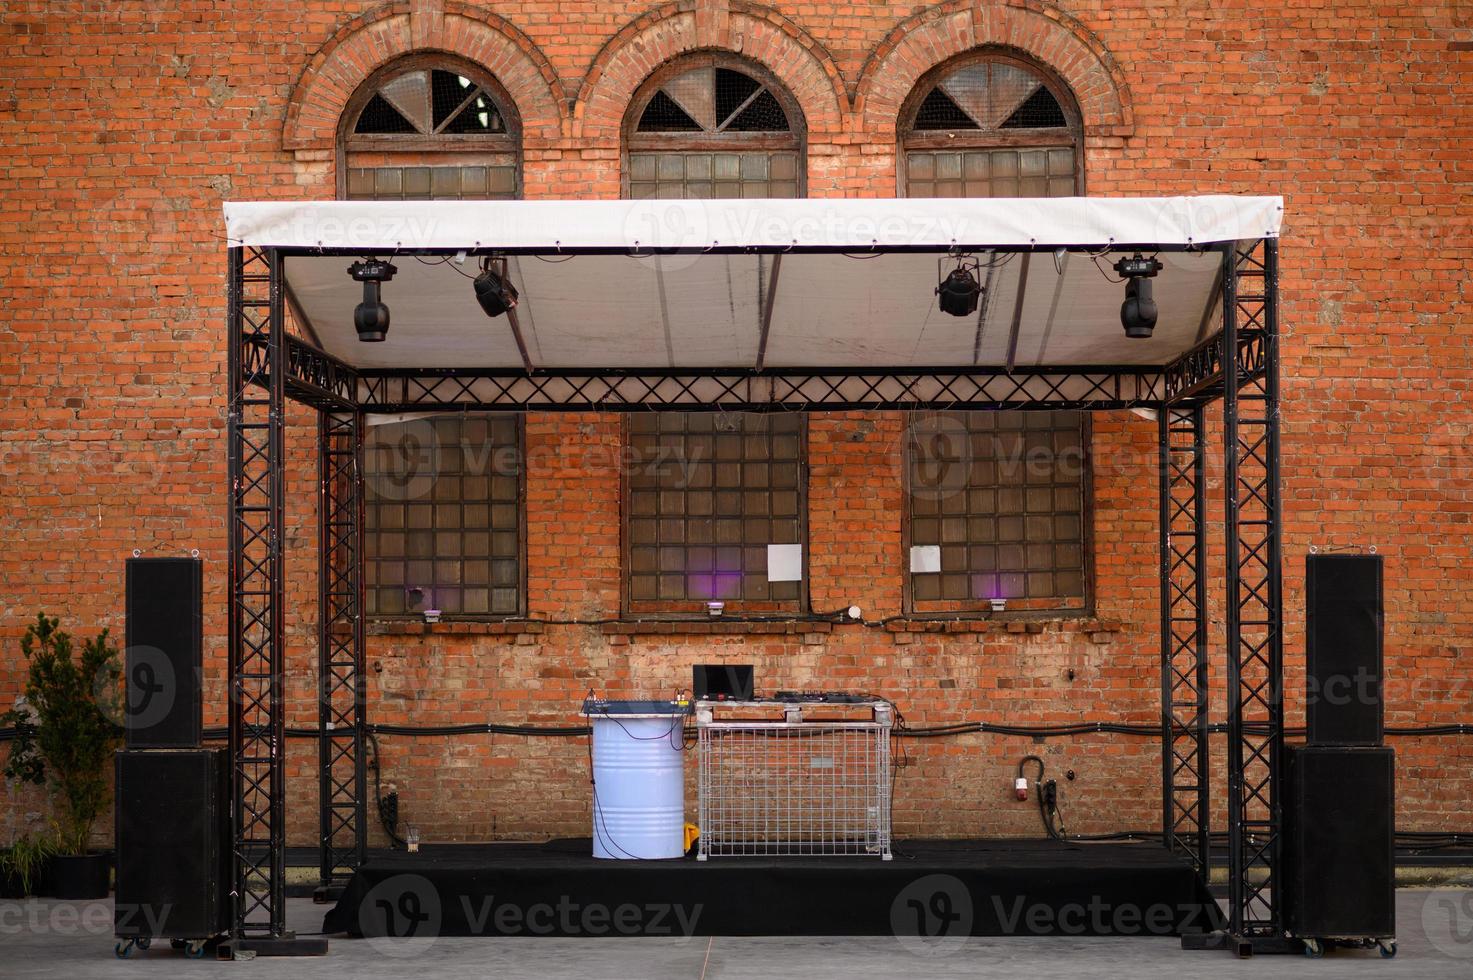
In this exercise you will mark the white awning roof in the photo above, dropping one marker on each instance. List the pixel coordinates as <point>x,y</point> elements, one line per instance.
<point>829,283</point>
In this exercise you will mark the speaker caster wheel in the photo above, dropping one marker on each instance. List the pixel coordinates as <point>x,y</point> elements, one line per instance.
<point>1313,948</point>
<point>144,942</point>
<point>124,950</point>
<point>1387,947</point>
<point>195,949</point>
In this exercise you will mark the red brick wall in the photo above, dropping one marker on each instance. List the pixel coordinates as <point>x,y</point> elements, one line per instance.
<point>125,125</point>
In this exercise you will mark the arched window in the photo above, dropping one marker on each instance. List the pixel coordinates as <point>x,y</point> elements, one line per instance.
<point>997,502</point>
<point>991,125</point>
<point>429,128</point>
<point>713,126</point>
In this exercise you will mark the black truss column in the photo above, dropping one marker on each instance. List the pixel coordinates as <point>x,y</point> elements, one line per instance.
<point>255,437</point>
<point>340,693</point>
<point>1254,605</point>
<point>1185,817</point>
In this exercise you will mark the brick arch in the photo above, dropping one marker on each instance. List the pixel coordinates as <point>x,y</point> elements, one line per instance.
<point>751,30</point>
<point>375,38</point>
<point>1032,27</point>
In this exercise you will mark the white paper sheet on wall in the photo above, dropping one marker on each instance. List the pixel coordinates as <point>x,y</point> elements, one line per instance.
<point>925,558</point>
<point>785,563</point>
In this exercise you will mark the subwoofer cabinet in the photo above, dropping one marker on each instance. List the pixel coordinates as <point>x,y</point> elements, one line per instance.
<point>1339,871</point>
<point>173,844</point>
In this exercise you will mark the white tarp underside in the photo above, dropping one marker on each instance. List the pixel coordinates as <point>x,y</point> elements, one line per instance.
<point>679,311</point>
<point>595,296</point>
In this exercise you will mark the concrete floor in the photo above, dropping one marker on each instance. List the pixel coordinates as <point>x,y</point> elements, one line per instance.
<point>73,941</point>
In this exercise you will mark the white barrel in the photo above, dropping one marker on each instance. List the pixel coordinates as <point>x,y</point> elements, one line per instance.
<point>638,787</point>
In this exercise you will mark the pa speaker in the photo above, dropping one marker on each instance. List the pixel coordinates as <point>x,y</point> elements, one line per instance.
<point>173,843</point>
<point>1339,872</point>
<point>164,656</point>
<point>1343,627</point>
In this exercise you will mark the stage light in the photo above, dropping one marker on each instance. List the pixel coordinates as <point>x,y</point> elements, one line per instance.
<point>494,290</point>
<point>1138,312</point>
<point>371,317</point>
<point>960,291</point>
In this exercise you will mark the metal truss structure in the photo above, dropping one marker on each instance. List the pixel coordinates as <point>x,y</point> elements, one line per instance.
<point>340,693</point>
<point>1237,365</point>
<point>1184,759</point>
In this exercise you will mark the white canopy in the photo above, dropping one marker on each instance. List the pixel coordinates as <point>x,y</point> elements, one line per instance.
<point>831,283</point>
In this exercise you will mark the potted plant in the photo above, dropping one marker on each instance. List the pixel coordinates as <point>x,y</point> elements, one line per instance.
<point>24,864</point>
<point>65,739</point>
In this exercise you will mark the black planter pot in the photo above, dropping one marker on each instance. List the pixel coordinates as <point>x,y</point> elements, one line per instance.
<point>76,876</point>
<point>10,886</point>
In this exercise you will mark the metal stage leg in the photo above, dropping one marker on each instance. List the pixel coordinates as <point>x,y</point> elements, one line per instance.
<point>343,840</point>
<point>1185,816</point>
<point>256,649</point>
<point>1254,606</point>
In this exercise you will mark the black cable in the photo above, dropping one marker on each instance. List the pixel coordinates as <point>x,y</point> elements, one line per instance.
<point>378,793</point>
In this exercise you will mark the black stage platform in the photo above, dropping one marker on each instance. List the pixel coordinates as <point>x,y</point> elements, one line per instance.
<point>931,888</point>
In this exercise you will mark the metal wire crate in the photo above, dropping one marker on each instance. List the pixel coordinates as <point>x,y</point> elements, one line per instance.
<point>797,786</point>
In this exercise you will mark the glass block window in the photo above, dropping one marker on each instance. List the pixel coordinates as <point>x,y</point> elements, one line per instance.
<point>429,128</point>
<point>705,494</point>
<point>1002,497</point>
<point>443,517</point>
<point>707,175</point>
<point>713,126</point>
<point>1037,172</point>
<point>991,126</point>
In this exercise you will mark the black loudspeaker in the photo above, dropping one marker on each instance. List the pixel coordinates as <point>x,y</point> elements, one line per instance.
<point>164,655</point>
<point>172,817</point>
<point>1343,626</point>
<point>1339,872</point>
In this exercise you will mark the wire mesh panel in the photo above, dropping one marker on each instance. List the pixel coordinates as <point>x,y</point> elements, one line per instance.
<point>794,787</point>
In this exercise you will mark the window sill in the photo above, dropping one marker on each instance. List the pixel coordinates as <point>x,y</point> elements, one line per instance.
<point>452,627</point>
<point>1099,630</point>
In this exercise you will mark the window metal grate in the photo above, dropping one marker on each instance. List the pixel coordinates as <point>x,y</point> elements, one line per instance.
<point>1002,496</point>
<point>442,510</point>
<point>430,101</point>
<point>708,99</point>
<point>794,787</point>
<point>990,95</point>
<point>706,493</point>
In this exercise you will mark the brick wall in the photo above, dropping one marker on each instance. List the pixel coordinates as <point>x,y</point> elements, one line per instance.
<point>124,125</point>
